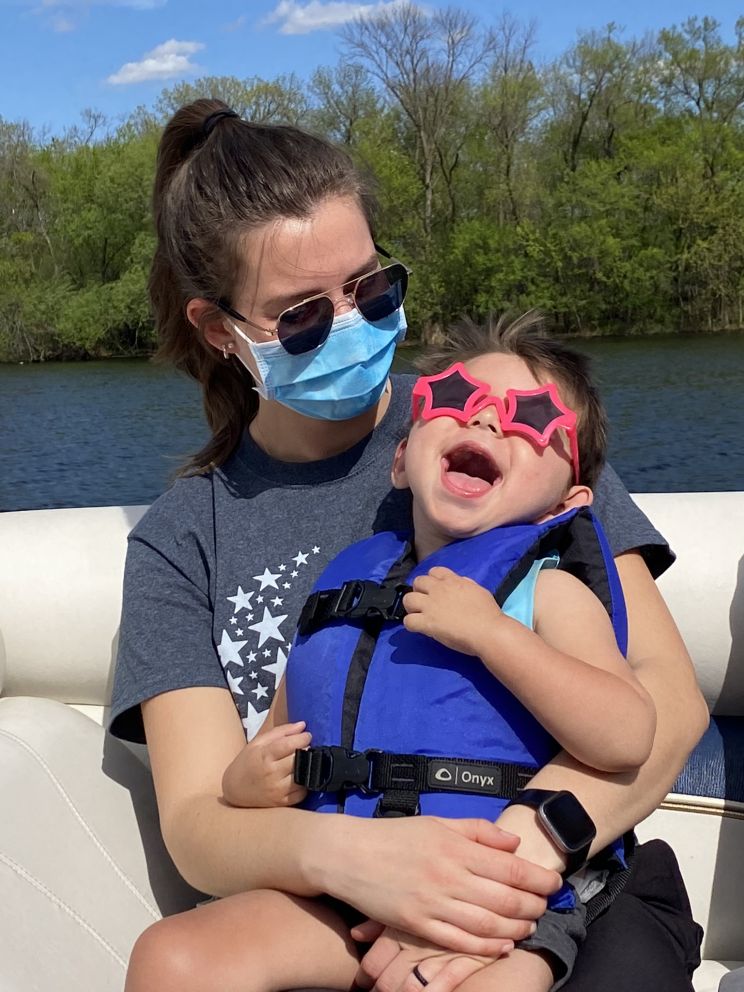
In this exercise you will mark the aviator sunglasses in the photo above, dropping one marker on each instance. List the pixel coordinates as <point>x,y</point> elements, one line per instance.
<point>306,325</point>
<point>534,413</point>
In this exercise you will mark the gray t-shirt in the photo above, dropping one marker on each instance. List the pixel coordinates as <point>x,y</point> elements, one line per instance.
<point>220,566</point>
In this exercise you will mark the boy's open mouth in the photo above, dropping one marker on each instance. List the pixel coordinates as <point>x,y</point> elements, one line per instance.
<point>469,470</point>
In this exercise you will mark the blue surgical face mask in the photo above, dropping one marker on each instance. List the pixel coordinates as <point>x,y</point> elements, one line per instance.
<point>342,378</point>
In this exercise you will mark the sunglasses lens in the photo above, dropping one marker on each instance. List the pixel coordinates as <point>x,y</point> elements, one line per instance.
<point>305,327</point>
<point>380,294</point>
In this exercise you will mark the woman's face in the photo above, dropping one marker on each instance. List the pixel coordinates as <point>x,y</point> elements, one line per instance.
<point>289,260</point>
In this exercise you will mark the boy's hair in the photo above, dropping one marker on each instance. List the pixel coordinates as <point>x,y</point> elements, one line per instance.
<point>547,359</point>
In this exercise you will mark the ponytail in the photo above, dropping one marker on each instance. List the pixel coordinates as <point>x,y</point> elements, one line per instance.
<point>218,177</point>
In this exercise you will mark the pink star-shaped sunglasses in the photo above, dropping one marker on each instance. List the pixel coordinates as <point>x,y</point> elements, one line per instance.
<point>534,413</point>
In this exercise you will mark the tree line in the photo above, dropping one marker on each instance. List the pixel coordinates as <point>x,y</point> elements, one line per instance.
<point>605,187</point>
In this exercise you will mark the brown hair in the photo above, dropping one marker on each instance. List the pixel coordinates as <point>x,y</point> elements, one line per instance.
<point>213,185</point>
<point>544,356</point>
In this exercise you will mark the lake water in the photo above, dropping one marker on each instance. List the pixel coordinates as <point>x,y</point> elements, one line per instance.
<point>113,432</point>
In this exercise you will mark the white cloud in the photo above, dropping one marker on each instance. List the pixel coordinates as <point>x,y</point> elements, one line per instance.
<point>322,15</point>
<point>65,15</point>
<point>235,25</point>
<point>166,61</point>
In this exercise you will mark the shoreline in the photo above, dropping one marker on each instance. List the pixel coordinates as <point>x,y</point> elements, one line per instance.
<point>412,344</point>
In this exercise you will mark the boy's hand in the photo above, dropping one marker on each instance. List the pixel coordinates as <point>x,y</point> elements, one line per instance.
<point>453,610</point>
<point>261,775</point>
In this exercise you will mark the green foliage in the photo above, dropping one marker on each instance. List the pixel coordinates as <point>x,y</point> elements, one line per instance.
<point>606,188</point>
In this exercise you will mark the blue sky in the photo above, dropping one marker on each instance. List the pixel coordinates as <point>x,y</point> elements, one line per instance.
<point>60,56</point>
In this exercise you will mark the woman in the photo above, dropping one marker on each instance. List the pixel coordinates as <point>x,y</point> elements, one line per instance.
<point>268,288</point>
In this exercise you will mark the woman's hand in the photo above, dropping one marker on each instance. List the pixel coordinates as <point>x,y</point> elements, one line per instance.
<point>455,883</point>
<point>262,773</point>
<point>389,964</point>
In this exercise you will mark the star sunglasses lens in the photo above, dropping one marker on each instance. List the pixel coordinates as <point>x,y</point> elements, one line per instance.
<point>306,326</point>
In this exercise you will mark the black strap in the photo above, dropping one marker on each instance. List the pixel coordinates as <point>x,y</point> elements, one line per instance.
<point>358,599</point>
<point>397,803</point>
<point>332,769</point>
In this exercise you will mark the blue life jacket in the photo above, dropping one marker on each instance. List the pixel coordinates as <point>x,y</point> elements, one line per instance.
<point>380,686</point>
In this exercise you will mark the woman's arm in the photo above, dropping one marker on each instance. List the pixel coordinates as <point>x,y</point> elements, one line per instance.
<point>455,883</point>
<point>662,665</point>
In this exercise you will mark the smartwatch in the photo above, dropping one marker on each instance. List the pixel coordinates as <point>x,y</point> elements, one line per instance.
<point>564,820</point>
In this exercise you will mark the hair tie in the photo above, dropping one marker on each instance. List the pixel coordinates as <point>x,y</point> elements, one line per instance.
<point>210,122</point>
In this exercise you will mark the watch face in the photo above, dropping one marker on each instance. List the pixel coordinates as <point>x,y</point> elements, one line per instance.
<point>567,820</point>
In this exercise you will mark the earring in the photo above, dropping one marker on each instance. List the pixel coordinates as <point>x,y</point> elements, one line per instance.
<point>225,349</point>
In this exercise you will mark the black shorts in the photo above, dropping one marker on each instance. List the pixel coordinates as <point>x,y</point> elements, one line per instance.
<point>646,940</point>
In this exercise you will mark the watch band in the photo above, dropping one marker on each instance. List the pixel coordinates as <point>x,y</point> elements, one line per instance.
<point>564,820</point>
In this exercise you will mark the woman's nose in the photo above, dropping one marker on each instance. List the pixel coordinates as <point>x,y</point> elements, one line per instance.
<point>343,303</point>
<point>487,419</point>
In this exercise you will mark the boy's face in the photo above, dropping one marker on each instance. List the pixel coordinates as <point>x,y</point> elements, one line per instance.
<point>469,477</point>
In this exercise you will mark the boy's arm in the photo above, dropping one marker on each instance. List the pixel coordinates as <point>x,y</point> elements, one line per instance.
<point>261,774</point>
<point>572,677</point>
<point>568,672</point>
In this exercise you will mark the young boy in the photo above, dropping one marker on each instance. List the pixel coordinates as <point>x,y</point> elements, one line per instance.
<point>503,448</point>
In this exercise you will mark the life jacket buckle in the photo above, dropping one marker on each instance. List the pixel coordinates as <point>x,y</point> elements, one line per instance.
<point>360,599</point>
<point>357,599</point>
<point>331,769</point>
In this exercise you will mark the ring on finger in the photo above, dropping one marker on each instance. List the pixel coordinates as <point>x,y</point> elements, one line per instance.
<point>417,974</point>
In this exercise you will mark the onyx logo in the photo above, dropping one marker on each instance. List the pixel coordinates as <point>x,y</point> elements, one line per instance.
<point>462,777</point>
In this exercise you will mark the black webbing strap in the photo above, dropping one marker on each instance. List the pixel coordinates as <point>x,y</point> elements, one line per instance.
<point>358,599</point>
<point>397,803</point>
<point>331,769</point>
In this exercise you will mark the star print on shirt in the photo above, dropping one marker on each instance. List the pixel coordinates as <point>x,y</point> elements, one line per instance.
<point>268,627</point>
<point>253,621</point>
<point>277,668</point>
<point>253,721</point>
<point>229,651</point>
<point>242,600</point>
<point>267,579</point>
